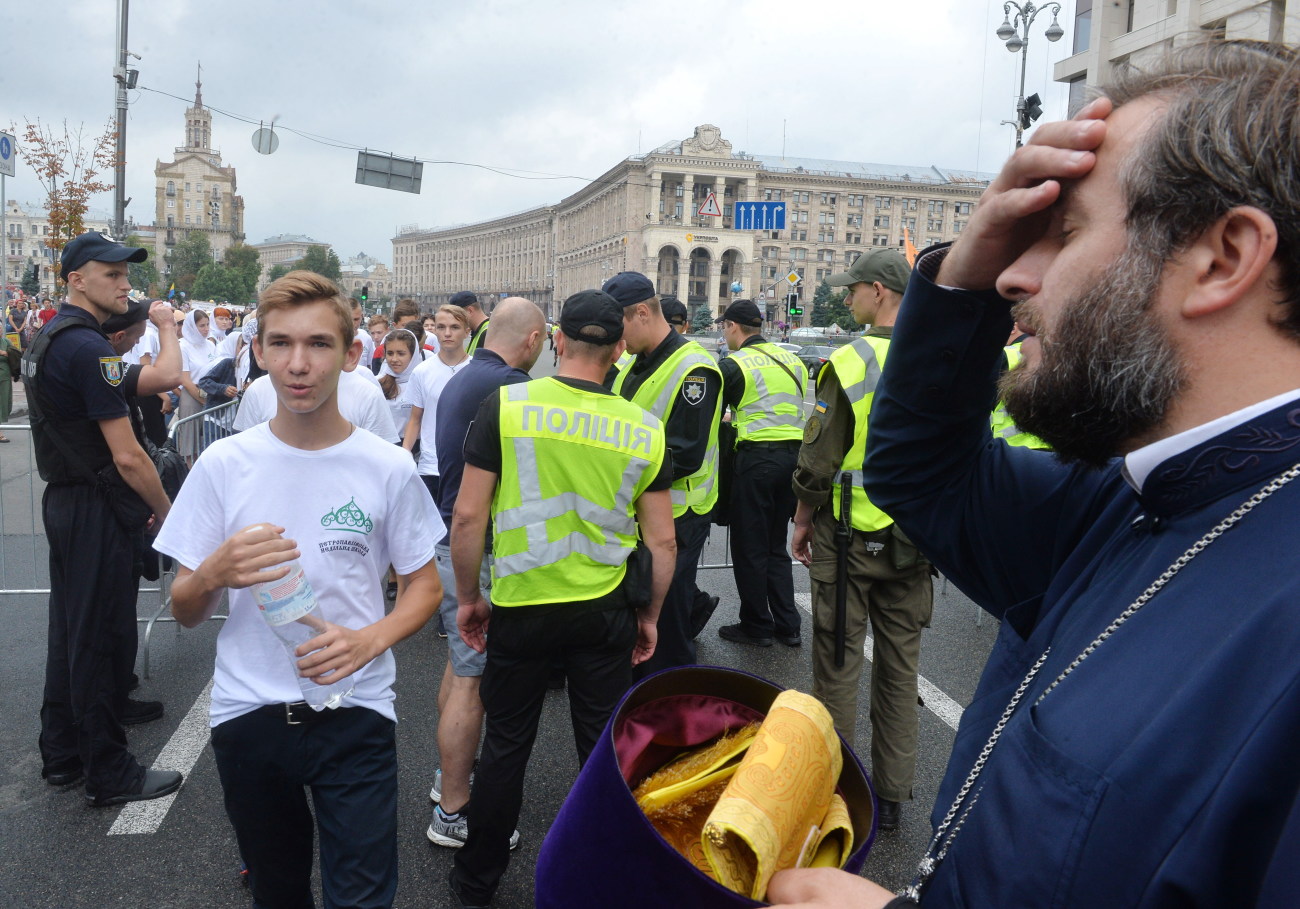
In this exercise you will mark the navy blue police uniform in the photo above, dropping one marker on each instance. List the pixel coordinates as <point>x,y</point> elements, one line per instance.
<point>75,382</point>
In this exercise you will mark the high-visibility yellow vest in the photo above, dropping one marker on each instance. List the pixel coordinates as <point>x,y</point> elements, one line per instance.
<point>573,463</point>
<point>480,335</point>
<point>858,366</point>
<point>699,491</point>
<point>624,360</point>
<point>1001,423</point>
<point>771,408</point>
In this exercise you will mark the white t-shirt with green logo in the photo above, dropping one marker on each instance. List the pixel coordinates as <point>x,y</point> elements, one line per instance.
<point>353,509</point>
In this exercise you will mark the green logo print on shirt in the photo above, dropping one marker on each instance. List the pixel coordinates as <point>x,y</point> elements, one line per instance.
<point>349,517</point>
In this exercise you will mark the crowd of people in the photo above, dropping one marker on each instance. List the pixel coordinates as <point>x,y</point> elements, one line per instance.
<point>554,524</point>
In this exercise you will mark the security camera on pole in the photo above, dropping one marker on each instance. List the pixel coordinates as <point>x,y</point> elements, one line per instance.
<point>1016,34</point>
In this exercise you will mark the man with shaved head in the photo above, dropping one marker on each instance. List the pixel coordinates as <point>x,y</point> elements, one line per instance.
<point>518,330</point>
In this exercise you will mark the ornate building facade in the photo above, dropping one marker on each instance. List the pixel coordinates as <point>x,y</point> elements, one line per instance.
<point>27,227</point>
<point>643,215</point>
<point>282,249</point>
<point>195,191</point>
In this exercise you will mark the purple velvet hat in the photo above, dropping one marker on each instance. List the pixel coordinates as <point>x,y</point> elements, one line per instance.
<point>603,851</point>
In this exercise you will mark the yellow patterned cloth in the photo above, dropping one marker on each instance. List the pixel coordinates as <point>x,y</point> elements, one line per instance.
<point>758,800</point>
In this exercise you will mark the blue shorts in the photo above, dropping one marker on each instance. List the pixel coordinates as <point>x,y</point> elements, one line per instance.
<point>465,660</point>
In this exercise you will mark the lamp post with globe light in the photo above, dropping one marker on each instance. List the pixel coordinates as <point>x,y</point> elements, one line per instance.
<point>1015,32</point>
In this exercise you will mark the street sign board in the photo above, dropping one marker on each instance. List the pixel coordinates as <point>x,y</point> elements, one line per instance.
<point>389,172</point>
<point>8,153</point>
<point>792,278</point>
<point>759,216</point>
<point>710,207</point>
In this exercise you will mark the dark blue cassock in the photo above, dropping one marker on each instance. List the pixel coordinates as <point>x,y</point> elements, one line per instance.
<point>1164,770</point>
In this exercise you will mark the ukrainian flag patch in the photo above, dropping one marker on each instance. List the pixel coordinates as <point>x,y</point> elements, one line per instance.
<point>821,407</point>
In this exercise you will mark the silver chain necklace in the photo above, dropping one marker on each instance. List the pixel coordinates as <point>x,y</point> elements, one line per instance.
<point>947,831</point>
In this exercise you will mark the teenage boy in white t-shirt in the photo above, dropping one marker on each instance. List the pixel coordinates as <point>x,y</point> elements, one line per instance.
<point>345,504</point>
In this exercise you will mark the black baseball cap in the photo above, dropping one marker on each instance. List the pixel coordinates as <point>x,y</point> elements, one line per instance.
<point>463,298</point>
<point>136,311</point>
<point>674,310</point>
<point>592,316</point>
<point>743,312</point>
<point>95,247</point>
<point>629,288</point>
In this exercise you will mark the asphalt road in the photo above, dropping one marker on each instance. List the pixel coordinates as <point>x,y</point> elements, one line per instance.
<point>181,852</point>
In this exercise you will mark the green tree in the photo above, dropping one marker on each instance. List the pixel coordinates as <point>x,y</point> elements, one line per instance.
<point>188,259</point>
<point>143,275</point>
<point>31,280</point>
<point>829,309</point>
<point>703,321</point>
<point>323,261</point>
<point>244,265</point>
<point>219,283</point>
<point>277,272</point>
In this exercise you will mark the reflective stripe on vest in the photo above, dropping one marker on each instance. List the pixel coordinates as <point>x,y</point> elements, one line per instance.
<point>573,464</point>
<point>478,338</point>
<point>699,491</point>
<point>858,367</point>
<point>1001,424</point>
<point>770,408</point>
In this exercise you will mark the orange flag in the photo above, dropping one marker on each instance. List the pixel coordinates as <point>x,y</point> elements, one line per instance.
<point>909,249</point>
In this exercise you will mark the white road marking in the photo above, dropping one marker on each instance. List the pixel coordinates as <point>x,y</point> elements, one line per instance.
<point>938,703</point>
<point>180,753</point>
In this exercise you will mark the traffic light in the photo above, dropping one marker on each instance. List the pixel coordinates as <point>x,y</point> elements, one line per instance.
<point>1032,111</point>
<point>365,292</point>
<point>792,304</point>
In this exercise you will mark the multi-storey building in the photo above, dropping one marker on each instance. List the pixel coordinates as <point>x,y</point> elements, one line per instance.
<point>366,271</point>
<point>643,215</point>
<point>282,249</point>
<point>195,191</point>
<point>27,227</point>
<point>1110,34</point>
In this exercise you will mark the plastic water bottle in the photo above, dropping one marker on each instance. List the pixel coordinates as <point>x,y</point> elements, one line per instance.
<point>289,606</point>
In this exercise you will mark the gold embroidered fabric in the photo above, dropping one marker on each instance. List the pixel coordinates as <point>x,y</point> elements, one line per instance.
<point>757,800</point>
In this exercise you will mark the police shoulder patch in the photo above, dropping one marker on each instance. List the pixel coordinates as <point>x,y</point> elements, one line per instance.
<point>112,370</point>
<point>693,390</point>
<point>812,429</point>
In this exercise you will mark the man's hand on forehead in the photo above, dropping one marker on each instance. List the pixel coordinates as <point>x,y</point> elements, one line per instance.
<point>1013,212</point>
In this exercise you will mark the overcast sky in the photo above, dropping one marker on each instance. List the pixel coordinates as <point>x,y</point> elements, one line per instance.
<point>568,89</point>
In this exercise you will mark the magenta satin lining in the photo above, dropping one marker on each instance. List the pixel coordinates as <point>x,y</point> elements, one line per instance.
<point>651,735</point>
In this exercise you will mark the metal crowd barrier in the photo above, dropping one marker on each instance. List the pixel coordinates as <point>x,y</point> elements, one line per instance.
<point>191,436</point>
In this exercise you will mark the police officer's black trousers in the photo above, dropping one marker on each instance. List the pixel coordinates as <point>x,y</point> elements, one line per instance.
<point>92,642</point>
<point>595,645</point>
<point>676,645</point>
<point>762,503</point>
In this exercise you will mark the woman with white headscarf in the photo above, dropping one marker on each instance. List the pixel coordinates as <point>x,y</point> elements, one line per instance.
<point>402,353</point>
<point>197,352</point>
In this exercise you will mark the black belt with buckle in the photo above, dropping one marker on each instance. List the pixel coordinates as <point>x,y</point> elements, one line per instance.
<point>299,712</point>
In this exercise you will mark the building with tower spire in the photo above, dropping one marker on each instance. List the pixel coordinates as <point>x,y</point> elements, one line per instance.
<point>195,191</point>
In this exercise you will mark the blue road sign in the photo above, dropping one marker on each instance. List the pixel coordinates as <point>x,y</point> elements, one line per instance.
<point>759,216</point>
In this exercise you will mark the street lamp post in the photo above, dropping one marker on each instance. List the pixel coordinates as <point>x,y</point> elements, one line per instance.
<point>1015,32</point>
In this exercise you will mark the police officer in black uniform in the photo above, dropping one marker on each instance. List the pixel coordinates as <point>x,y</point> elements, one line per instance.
<point>85,446</point>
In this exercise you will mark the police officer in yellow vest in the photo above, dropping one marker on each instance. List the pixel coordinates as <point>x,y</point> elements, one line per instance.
<point>569,472</point>
<point>763,386</point>
<point>478,320</point>
<point>678,381</point>
<point>888,579</point>
<point>1001,423</point>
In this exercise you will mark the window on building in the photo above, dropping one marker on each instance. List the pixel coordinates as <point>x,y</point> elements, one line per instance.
<point>171,187</point>
<point>884,202</point>
<point>772,195</point>
<point>934,224</point>
<point>798,254</point>
<point>853,238</point>
<point>935,206</point>
<point>828,198</point>
<point>770,271</point>
<point>880,240</point>
<point>826,255</point>
<point>931,241</point>
<point>962,208</point>
<point>826,236</point>
<point>854,220</point>
<point>171,203</point>
<point>909,204</point>
<point>679,190</point>
<point>677,211</point>
<point>957,226</point>
<point>882,221</point>
<point>799,235</point>
<point>771,252</point>
<point>855,201</point>
<point>187,219</point>
<point>851,256</point>
<point>187,187</point>
<point>187,204</point>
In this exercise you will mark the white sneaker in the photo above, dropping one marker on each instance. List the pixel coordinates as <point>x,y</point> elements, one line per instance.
<point>453,832</point>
